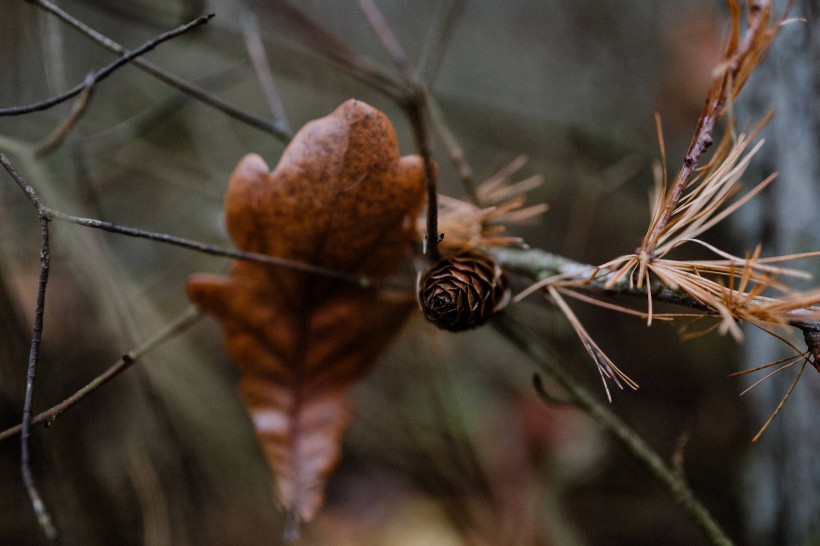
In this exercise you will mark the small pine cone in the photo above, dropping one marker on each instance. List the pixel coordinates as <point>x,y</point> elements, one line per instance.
<point>462,291</point>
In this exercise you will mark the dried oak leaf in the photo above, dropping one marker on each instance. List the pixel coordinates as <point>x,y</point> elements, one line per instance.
<point>341,198</point>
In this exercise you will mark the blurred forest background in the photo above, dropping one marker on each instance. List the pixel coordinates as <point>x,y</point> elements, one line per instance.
<point>451,445</point>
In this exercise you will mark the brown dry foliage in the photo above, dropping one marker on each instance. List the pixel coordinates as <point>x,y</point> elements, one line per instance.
<point>341,198</point>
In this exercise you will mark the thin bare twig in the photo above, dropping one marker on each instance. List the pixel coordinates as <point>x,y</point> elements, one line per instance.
<point>436,42</point>
<point>175,81</point>
<point>60,132</point>
<point>104,142</point>
<point>454,149</point>
<point>388,39</point>
<point>414,102</point>
<point>52,214</point>
<point>256,51</point>
<point>107,70</point>
<point>324,42</point>
<point>40,510</point>
<point>210,249</point>
<point>178,325</point>
<point>415,111</point>
<point>43,517</point>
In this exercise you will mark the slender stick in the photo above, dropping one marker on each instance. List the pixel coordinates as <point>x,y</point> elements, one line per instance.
<point>37,503</point>
<point>60,132</point>
<point>388,39</point>
<point>104,142</point>
<point>39,507</point>
<point>414,103</point>
<point>256,51</point>
<point>325,43</point>
<point>52,214</point>
<point>436,41</point>
<point>178,325</point>
<point>454,149</point>
<point>104,72</point>
<point>415,111</point>
<point>421,102</point>
<point>209,249</point>
<point>618,429</point>
<point>174,81</point>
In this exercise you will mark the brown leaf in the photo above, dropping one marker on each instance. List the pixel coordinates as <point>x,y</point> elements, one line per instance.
<point>341,198</point>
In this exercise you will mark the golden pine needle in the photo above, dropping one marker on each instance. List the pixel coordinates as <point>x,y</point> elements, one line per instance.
<point>791,362</point>
<point>466,225</point>
<point>606,368</point>
<point>782,403</point>
<point>606,305</point>
<point>761,367</point>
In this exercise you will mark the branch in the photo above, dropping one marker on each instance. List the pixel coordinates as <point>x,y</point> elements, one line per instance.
<point>60,132</point>
<point>256,51</point>
<point>174,81</point>
<point>186,319</point>
<point>415,111</point>
<point>436,42</point>
<point>618,429</point>
<point>388,39</point>
<point>213,250</point>
<point>740,59</point>
<point>415,105</point>
<point>104,72</point>
<point>538,265</point>
<point>51,214</point>
<point>325,43</point>
<point>40,510</point>
<point>454,149</point>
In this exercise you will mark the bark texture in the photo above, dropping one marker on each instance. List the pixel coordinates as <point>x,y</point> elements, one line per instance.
<point>784,472</point>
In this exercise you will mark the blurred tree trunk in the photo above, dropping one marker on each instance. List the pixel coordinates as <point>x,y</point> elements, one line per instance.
<point>784,474</point>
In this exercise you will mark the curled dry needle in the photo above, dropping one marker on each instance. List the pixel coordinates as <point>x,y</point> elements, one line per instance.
<point>466,225</point>
<point>606,368</point>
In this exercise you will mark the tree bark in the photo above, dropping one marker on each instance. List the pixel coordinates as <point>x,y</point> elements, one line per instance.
<point>783,477</point>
